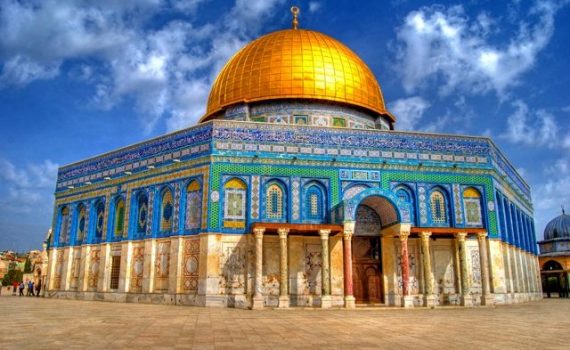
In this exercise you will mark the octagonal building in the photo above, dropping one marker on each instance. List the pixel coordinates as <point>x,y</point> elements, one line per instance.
<point>295,190</point>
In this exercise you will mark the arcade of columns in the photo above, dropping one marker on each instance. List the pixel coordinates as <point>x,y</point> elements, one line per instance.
<point>403,232</point>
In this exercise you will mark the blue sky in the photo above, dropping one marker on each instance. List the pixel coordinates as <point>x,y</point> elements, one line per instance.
<point>79,78</point>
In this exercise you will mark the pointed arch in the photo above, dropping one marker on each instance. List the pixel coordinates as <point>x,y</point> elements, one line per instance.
<point>552,265</point>
<point>81,223</point>
<point>64,225</point>
<point>314,202</point>
<point>439,207</point>
<point>119,217</point>
<point>166,210</point>
<point>394,210</point>
<point>141,215</point>
<point>235,197</point>
<point>472,207</point>
<point>99,219</point>
<point>193,208</point>
<point>275,201</point>
<point>407,195</point>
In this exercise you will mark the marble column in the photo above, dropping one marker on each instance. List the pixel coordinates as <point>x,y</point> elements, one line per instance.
<point>487,298</point>
<point>407,300</point>
<point>466,299</point>
<point>509,270</point>
<point>283,269</point>
<point>257,302</point>
<point>457,268</point>
<point>429,297</point>
<point>349,301</point>
<point>326,299</point>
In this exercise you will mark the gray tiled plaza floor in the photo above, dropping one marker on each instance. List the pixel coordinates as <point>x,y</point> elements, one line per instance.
<point>37,323</point>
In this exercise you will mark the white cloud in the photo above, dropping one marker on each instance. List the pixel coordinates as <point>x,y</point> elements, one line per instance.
<point>186,5</point>
<point>247,16</point>
<point>410,115</point>
<point>531,128</point>
<point>19,70</point>
<point>314,6</point>
<point>408,111</point>
<point>554,190</point>
<point>165,71</point>
<point>442,45</point>
<point>28,188</point>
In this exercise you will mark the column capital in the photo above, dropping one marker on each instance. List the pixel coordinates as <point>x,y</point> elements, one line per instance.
<point>461,236</point>
<point>258,232</point>
<point>282,232</point>
<point>324,234</point>
<point>349,225</point>
<point>481,235</point>
<point>425,234</point>
<point>403,236</point>
<point>348,230</point>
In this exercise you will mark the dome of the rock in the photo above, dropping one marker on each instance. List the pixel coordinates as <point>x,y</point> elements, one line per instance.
<point>296,64</point>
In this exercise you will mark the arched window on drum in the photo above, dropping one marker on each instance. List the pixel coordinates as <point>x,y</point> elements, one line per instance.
<point>166,211</point>
<point>438,208</point>
<point>472,207</point>
<point>80,225</point>
<point>193,205</point>
<point>314,203</point>
<point>119,219</point>
<point>64,226</point>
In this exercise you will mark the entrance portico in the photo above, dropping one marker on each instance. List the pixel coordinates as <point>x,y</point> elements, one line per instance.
<point>375,263</point>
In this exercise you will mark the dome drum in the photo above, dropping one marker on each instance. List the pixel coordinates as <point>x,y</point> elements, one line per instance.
<point>304,112</point>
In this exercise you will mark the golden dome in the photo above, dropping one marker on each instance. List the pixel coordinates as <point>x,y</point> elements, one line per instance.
<point>296,64</point>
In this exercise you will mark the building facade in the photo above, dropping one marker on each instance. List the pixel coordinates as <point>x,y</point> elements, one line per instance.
<point>294,190</point>
<point>554,256</point>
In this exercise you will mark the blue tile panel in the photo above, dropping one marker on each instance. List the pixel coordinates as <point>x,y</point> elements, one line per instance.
<point>183,145</point>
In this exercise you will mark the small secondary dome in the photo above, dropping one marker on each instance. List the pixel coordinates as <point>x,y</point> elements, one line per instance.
<point>559,227</point>
<point>296,64</point>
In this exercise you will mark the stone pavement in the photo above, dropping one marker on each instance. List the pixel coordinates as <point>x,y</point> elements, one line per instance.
<point>38,323</point>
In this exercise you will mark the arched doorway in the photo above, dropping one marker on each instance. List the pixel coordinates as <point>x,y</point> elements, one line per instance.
<point>552,277</point>
<point>372,214</point>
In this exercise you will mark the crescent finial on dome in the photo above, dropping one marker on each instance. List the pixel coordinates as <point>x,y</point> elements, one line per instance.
<point>295,11</point>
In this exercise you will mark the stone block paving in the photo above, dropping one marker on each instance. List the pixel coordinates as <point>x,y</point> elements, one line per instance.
<point>38,323</point>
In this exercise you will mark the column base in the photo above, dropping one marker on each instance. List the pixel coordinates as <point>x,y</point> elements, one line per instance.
<point>407,301</point>
<point>488,300</point>
<point>349,302</point>
<point>257,303</point>
<point>466,300</point>
<point>283,302</point>
<point>429,300</point>
<point>326,302</point>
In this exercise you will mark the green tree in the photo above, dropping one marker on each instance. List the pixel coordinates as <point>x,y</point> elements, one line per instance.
<point>28,266</point>
<point>12,276</point>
